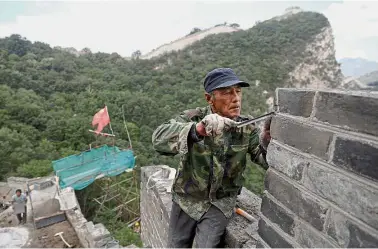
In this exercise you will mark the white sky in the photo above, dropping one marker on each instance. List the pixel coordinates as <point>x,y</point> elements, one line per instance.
<point>126,26</point>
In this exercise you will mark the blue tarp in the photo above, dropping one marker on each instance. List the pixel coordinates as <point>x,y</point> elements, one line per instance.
<point>78,171</point>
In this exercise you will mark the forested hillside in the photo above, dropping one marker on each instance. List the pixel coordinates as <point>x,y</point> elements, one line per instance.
<point>48,96</point>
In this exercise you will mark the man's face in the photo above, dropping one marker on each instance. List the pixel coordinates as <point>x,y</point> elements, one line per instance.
<point>226,101</point>
<point>18,193</point>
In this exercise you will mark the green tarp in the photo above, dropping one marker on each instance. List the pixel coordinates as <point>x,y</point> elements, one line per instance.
<point>78,171</point>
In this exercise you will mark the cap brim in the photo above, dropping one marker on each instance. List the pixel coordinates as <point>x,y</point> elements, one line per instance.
<point>233,83</point>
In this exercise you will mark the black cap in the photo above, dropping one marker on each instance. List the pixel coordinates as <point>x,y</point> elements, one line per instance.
<point>222,77</point>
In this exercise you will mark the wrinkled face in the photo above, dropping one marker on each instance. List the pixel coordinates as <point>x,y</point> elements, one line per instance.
<point>226,101</point>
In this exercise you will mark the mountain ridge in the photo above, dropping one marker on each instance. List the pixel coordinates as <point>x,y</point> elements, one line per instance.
<point>357,67</point>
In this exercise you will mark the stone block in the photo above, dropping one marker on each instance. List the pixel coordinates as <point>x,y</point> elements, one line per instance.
<point>250,244</point>
<point>89,226</point>
<point>348,110</point>
<point>99,232</point>
<point>308,237</point>
<point>277,215</point>
<point>261,244</point>
<point>42,185</point>
<point>301,136</point>
<point>352,196</point>
<point>350,234</point>
<point>271,236</point>
<point>297,102</point>
<point>50,220</point>
<point>303,234</point>
<point>306,206</point>
<point>357,157</point>
<point>249,202</point>
<point>285,161</point>
<point>235,232</point>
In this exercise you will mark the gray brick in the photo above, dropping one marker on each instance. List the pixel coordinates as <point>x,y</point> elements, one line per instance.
<point>340,109</point>
<point>286,161</point>
<point>301,136</point>
<point>308,238</point>
<point>277,214</point>
<point>261,244</point>
<point>248,201</point>
<point>353,197</point>
<point>271,237</point>
<point>297,102</point>
<point>235,232</point>
<point>357,157</point>
<point>302,204</point>
<point>304,234</point>
<point>348,234</point>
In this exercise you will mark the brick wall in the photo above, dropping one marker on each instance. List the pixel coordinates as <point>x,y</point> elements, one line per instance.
<point>322,184</point>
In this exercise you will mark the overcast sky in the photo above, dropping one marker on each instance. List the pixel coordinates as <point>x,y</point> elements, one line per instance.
<point>126,26</point>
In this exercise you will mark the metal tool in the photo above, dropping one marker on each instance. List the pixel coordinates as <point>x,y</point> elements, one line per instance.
<point>61,236</point>
<point>254,120</point>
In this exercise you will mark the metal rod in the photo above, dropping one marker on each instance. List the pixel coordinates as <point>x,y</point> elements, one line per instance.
<point>127,131</point>
<point>254,120</point>
<point>102,133</point>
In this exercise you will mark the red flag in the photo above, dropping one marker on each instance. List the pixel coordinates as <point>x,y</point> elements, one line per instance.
<point>101,118</point>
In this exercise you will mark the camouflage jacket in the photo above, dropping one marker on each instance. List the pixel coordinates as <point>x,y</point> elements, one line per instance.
<point>211,169</point>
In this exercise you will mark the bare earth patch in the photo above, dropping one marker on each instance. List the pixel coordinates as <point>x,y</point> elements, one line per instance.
<point>44,237</point>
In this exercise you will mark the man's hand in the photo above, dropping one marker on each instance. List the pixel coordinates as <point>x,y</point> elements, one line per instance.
<point>265,134</point>
<point>214,124</point>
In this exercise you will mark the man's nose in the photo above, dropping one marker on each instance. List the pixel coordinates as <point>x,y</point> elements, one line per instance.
<point>235,96</point>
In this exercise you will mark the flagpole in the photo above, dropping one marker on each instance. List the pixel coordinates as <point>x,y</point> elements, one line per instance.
<point>127,131</point>
<point>110,123</point>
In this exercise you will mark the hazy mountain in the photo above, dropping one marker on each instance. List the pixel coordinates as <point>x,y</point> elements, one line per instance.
<point>357,67</point>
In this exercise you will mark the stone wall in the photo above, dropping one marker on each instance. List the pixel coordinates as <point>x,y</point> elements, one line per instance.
<point>322,184</point>
<point>90,235</point>
<point>188,40</point>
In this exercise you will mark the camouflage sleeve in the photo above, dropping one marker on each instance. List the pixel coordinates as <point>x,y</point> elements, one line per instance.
<point>171,138</point>
<point>257,152</point>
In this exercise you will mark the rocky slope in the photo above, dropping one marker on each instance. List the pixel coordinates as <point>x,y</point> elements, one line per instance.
<point>319,68</point>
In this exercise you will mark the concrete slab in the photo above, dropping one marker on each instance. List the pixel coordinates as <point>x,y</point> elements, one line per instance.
<point>47,221</point>
<point>13,237</point>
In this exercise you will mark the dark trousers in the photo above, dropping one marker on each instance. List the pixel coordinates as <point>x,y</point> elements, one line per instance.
<point>207,232</point>
<point>22,218</point>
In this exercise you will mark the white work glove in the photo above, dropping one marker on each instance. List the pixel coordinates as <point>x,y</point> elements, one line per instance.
<point>215,124</point>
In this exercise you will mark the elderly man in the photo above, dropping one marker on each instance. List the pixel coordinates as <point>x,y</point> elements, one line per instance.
<point>213,158</point>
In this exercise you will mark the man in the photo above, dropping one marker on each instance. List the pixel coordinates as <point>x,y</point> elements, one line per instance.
<point>19,202</point>
<point>213,158</point>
